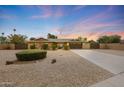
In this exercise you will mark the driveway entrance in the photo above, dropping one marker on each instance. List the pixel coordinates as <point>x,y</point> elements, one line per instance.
<point>112,63</point>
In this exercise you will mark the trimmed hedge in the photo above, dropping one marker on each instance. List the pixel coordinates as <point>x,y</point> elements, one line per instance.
<point>29,55</point>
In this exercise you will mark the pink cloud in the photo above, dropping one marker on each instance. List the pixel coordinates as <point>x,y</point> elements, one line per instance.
<point>86,26</point>
<point>121,33</point>
<point>91,36</point>
<point>97,16</point>
<point>68,36</point>
<point>47,12</point>
<point>59,12</point>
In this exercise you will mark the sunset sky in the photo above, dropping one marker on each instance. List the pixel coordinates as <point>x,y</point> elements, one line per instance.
<point>63,21</point>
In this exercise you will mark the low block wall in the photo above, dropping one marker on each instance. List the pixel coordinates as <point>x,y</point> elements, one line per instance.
<point>116,46</point>
<point>7,46</point>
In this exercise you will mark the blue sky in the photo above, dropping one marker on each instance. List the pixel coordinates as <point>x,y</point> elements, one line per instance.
<point>65,21</point>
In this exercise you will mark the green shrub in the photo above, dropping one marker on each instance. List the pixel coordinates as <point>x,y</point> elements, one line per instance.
<point>66,47</point>
<point>33,46</point>
<point>29,55</point>
<point>54,46</point>
<point>45,46</point>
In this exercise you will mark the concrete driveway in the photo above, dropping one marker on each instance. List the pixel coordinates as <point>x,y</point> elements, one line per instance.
<point>112,63</point>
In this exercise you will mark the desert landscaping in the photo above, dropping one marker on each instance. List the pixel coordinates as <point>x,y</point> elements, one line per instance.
<point>53,62</point>
<point>69,70</point>
<point>61,46</point>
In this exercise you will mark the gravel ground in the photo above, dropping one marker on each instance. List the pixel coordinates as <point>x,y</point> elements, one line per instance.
<point>70,70</point>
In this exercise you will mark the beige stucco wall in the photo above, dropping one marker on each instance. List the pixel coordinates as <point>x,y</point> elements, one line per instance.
<point>7,46</point>
<point>86,46</point>
<point>116,46</point>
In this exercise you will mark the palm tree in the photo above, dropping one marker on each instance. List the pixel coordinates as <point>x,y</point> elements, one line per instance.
<point>2,34</point>
<point>2,38</point>
<point>14,30</point>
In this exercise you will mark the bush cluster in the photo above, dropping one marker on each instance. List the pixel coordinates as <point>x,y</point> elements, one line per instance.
<point>29,55</point>
<point>109,39</point>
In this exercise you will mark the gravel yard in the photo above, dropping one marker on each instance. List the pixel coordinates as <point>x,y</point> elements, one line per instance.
<point>70,70</point>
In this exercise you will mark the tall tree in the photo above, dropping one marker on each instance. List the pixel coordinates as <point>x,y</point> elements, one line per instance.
<point>14,30</point>
<point>2,34</point>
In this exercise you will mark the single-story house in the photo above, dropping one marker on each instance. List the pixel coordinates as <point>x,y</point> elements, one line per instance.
<point>73,44</point>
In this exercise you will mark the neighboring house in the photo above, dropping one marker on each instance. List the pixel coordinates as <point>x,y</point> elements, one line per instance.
<point>74,44</point>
